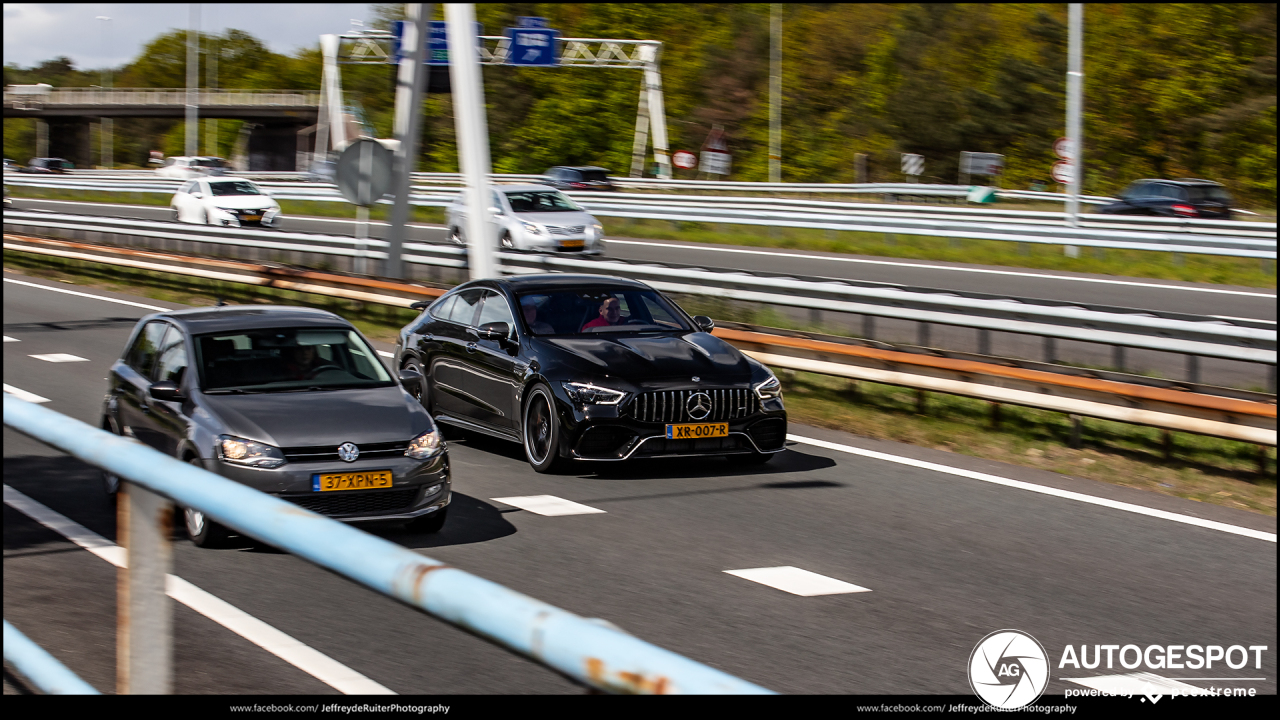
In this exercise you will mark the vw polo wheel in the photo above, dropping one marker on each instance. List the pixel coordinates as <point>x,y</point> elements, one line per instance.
<point>542,430</point>
<point>204,532</point>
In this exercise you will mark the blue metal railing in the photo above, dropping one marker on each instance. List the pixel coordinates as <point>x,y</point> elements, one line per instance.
<point>42,669</point>
<point>589,651</point>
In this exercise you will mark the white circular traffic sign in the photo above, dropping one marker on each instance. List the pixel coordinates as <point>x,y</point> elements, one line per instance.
<point>684,159</point>
<point>1062,172</point>
<point>1064,148</point>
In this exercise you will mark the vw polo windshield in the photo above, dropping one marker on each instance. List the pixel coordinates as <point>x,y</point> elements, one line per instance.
<point>287,360</point>
<point>592,311</point>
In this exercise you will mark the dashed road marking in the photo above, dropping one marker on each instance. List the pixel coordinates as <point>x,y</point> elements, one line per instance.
<point>797,581</point>
<point>267,637</point>
<point>24,395</point>
<point>60,358</point>
<point>549,505</point>
<point>9,339</point>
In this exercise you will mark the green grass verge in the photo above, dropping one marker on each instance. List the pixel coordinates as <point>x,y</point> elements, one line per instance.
<point>1243,272</point>
<point>1206,469</point>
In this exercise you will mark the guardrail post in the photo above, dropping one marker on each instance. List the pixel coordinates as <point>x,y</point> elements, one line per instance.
<point>922,334</point>
<point>1117,357</point>
<point>869,327</point>
<point>1050,350</point>
<point>1193,368</point>
<point>1075,432</point>
<point>984,342</point>
<point>144,632</point>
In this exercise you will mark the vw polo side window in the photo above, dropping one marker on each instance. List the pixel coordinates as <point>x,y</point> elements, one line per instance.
<point>142,355</point>
<point>172,362</point>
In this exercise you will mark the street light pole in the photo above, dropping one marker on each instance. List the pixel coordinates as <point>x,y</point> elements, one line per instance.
<point>193,82</point>
<point>105,124</point>
<point>1075,83</point>
<point>410,80</point>
<point>775,93</point>
<point>473,136</point>
<point>212,52</point>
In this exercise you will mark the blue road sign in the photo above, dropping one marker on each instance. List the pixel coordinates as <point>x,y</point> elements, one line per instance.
<point>531,22</point>
<point>533,46</point>
<point>437,41</point>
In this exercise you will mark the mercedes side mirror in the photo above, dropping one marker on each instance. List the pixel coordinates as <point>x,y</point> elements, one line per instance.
<point>167,390</point>
<point>704,323</point>
<point>421,305</point>
<point>495,331</point>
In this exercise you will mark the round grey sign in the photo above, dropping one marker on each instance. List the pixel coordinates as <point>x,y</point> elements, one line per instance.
<point>363,172</point>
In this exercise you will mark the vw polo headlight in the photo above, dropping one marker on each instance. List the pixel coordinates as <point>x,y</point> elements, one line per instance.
<point>531,228</point>
<point>239,451</point>
<point>425,445</point>
<point>769,389</point>
<point>588,394</point>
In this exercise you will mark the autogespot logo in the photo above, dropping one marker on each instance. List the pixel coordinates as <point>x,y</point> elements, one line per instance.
<point>1008,669</point>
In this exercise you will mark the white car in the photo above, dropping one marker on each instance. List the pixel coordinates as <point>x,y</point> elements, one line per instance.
<point>229,202</point>
<point>533,217</point>
<point>185,168</point>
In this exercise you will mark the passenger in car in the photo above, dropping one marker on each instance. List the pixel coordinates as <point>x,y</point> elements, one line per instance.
<point>301,362</point>
<point>529,307</point>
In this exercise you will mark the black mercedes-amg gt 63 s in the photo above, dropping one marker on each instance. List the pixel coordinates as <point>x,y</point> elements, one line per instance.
<point>589,367</point>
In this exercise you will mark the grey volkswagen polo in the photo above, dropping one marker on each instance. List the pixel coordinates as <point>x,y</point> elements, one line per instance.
<point>291,401</point>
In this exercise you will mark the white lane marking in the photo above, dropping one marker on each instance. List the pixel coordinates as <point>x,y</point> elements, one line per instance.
<point>1067,494</point>
<point>549,505</point>
<point>1138,684</point>
<point>797,581</point>
<point>59,358</point>
<point>384,353</point>
<point>24,395</point>
<point>88,295</point>
<point>712,248</point>
<point>9,339</point>
<point>162,209</point>
<point>285,647</point>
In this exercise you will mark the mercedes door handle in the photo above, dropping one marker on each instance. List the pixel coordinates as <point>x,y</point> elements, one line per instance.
<point>471,347</point>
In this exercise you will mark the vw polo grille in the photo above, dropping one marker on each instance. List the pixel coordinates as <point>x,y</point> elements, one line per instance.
<point>672,406</point>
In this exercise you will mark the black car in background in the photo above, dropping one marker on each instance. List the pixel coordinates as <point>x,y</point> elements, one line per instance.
<point>583,178</point>
<point>46,165</point>
<point>589,367</point>
<point>290,401</point>
<point>1185,198</point>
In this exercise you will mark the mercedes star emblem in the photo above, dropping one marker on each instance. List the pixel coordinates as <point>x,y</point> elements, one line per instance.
<point>348,452</point>
<point>698,405</point>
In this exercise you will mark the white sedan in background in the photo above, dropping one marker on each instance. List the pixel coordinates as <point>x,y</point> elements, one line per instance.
<point>229,202</point>
<point>532,217</point>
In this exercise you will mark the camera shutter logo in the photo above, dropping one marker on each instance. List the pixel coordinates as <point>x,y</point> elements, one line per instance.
<point>348,452</point>
<point>1008,669</point>
<point>698,405</point>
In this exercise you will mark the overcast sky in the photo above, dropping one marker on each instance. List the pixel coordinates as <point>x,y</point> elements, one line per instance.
<point>34,32</point>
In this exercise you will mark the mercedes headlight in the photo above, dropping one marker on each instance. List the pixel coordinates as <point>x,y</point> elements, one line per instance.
<point>588,394</point>
<point>769,389</point>
<point>239,451</point>
<point>425,445</point>
<point>531,228</point>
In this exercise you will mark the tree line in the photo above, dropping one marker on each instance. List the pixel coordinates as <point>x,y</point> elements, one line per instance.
<point>1171,90</point>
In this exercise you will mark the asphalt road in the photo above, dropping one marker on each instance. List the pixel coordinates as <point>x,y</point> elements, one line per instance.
<point>947,559</point>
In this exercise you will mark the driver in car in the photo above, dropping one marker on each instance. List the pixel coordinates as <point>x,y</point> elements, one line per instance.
<point>302,362</point>
<point>610,314</point>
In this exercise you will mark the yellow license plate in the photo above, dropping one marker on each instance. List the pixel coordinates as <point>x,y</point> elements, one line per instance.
<point>694,432</point>
<point>571,243</point>
<point>324,482</point>
<point>252,217</point>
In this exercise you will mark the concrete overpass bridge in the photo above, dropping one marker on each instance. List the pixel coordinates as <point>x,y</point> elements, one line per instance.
<point>282,118</point>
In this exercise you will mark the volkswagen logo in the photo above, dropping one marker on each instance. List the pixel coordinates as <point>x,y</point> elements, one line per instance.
<point>348,452</point>
<point>698,405</point>
<point>697,379</point>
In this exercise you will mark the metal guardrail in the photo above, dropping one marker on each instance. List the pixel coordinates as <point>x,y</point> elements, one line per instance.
<point>1250,341</point>
<point>591,652</point>
<point>164,96</point>
<point>39,667</point>
<point>1249,240</point>
<point>1189,407</point>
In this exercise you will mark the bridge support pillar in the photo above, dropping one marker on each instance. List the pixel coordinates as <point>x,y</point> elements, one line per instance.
<point>273,147</point>
<point>70,139</point>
